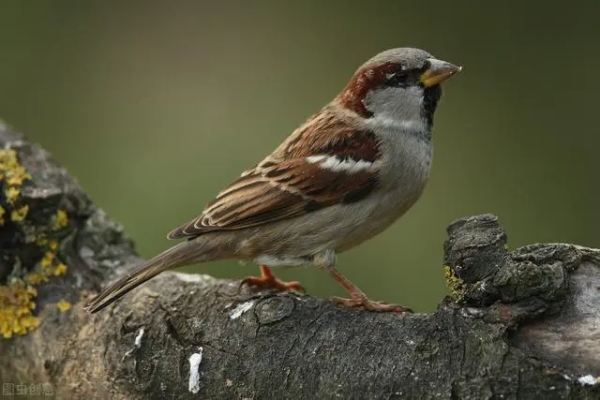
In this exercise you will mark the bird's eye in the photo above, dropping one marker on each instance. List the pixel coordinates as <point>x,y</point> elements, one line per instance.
<point>398,77</point>
<point>426,65</point>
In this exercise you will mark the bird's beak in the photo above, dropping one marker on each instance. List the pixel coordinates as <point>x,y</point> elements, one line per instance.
<point>438,72</point>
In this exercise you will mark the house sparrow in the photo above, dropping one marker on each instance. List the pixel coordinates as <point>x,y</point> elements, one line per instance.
<point>341,178</point>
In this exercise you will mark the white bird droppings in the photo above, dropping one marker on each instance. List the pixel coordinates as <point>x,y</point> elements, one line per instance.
<point>240,310</point>
<point>137,343</point>
<point>195,360</point>
<point>138,338</point>
<point>588,380</point>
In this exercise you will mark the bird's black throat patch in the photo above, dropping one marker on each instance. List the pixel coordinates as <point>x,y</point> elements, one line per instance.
<point>431,98</point>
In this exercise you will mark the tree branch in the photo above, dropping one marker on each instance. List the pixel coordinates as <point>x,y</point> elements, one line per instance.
<point>521,324</point>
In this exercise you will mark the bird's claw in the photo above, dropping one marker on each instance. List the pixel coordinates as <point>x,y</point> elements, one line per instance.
<point>269,281</point>
<point>363,303</point>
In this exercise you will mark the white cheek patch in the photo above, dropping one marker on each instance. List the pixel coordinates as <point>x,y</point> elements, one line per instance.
<point>336,164</point>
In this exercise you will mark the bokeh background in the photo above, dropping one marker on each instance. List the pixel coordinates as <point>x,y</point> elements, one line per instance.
<point>155,106</point>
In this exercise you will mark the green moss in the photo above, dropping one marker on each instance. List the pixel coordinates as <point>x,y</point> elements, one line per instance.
<point>454,283</point>
<point>19,291</point>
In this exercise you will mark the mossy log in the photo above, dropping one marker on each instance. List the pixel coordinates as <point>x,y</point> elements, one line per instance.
<point>521,324</point>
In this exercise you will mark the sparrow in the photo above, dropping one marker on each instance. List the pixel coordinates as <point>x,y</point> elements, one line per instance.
<point>342,177</point>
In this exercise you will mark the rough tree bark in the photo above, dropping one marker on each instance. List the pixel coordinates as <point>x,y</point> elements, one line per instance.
<point>520,324</point>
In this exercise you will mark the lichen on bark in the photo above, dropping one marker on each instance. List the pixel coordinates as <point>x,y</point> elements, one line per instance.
<point>523,323</point>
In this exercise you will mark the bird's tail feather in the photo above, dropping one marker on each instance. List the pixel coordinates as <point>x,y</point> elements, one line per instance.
<point>177,256</point>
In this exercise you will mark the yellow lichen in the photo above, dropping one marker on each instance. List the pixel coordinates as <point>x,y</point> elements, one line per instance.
<point>16,307</point>
<point>454,283</point>
<point>60,220</point>
<point>63,306</point>
<point>13,173</point>
<point>10,168</point>
<point>42,240</point>
<point>36,278</point>
<point>12,194</point>
<point>16,180</point>
<point>19,214</point>
<point>48,259</point>
<point>60,270</point>
<point>17,296</point>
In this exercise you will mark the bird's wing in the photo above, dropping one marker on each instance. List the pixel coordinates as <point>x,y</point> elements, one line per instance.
<point>292,182</point>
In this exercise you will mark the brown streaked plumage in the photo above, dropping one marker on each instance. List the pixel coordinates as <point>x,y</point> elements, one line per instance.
<point>338,180</point>
<point>364,79</point>
<point>339,137</point>
<point>284,185</point>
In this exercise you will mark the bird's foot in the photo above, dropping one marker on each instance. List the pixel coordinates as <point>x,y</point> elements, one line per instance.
<point>270,281</point>
<point>363,303</point>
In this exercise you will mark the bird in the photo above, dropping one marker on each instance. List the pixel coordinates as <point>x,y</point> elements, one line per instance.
<point>342,177</point>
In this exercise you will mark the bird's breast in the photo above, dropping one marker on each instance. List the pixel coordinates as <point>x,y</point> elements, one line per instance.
<point>404,172</point>
<point>406,162</point>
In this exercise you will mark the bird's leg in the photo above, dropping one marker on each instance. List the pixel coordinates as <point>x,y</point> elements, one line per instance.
<point>268,280</point>
<point>326,262</point>
<point>360,300</point>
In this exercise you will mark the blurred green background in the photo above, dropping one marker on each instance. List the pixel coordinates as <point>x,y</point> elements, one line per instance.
<point>155,106</point>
